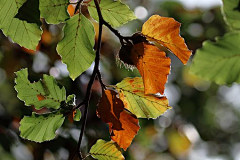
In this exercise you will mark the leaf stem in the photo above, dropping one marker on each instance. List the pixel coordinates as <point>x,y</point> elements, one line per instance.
<point>79,105</point>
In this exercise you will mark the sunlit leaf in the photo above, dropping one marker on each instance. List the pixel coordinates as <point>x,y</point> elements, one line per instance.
<point>231,13</point>
<point>71,10</point>
<point>40,128</point>
<point>54,11</point>
<point>103,150</point>
<point>21,32</point>
<point>114,12</point>
<point>219,61</point>
<point>165,31</point>
<point>71,100</point>
<point>153,66</point>
<point>123,125</point>
<point>77,115</point>
<point>131,92</point>
<point>44,93</point>
<point>76,48</point>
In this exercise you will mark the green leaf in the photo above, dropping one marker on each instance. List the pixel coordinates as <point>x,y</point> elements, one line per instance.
<point>54,11</point>
<point>42,127</point>
<point>103,150</point>
<point>76,48</point>
<point>114,12</point>
<point>77,115</point>
<point>71,100</point>
<point>45,93</point>
<point>131,92</point>
<point>21,32</point>
<point>231,13</point>
<point>30,12</point>
<point>219,61</point>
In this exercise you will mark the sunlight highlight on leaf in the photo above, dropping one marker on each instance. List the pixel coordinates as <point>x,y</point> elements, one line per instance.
<point>76,48</point>
<point>39,128</point>
<point>153,66</point>
<point>219,61</point>
<point>103,150</point>
<point>114,12</point>
<point>131,92</point>
<point>166,31</point>
<point>21,32</point>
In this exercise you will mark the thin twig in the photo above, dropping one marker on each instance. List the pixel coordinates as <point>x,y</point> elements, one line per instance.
<point>100,80</point>
<point>89,87</point>
<point>121,38</point>
<point>79,105</point>
<point>78,6</point>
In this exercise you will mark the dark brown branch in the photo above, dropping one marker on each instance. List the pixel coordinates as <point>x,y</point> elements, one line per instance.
<point>121,38</point>
<point>79,105</point>
<point>78,6</point>
<point>89,87</point>
<point>100,80</point>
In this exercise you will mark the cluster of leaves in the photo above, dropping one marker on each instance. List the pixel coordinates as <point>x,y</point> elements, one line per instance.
<point>120,105</point>
<point>219,61</point>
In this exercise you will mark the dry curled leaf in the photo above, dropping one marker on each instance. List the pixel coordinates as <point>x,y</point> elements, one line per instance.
<point>153,66</point>
<point>123,125</point>
<point>166,31</point>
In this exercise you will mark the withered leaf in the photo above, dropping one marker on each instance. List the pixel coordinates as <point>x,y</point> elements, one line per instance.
<point>153,66</point>
<point>166,31</point>
<point>123,125</point>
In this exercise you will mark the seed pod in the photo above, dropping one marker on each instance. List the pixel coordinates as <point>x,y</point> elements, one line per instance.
<point>125,54</point>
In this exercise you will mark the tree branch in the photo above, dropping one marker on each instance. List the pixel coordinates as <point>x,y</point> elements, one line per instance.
<point>121,38</point>
<point>89,87</point>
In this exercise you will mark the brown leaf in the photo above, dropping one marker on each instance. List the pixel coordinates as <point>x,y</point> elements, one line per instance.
<point>71,116</point>
<point>166,31</point>
<point>123,125</point>
<point>153,66</point>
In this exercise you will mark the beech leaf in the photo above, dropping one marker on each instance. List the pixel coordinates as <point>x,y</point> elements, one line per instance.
<point>231,13</point>
<point>131,92</point>
<point>44,93</point>
<point>166,31</point>
<point>76,48</point>
<point>54,11</point>
<point>153,66</point>
<point>103,150</point>
<point>24,33</point>
<point>219,61</point>
<point>42,127</point>
<point>114,12</point>
<point>123,125</point>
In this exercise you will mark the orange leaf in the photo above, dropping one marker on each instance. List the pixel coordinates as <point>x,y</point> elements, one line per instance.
<point>123,125</point>
<point>166,32</point>
<point>153,66</point>
<point>40,97</point>
<point>71,116</point>
<point>71,10</point>
<point>130,127</point>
